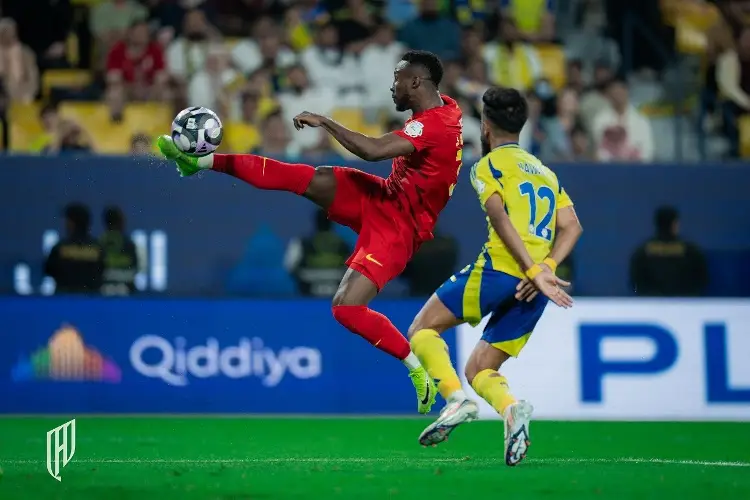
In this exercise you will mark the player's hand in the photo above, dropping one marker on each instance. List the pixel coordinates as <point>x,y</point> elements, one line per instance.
<point>549,284</point>
<point>307,119</point>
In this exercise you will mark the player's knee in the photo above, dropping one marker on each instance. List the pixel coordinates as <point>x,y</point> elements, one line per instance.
<point>346,299</point>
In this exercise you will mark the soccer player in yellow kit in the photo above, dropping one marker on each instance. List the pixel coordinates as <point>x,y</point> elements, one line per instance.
<point>532,227</point>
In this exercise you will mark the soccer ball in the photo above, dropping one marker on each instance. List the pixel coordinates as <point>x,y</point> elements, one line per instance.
<point>197,131</point>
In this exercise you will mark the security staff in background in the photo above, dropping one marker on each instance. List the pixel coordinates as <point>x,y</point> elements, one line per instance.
<point>76,262</point>
<point>120,256</point>
<point>318,262</point>
<point>666,265</point>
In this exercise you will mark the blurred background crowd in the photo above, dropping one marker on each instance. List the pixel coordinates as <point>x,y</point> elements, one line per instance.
<point>607,81</point>
<point>604,77</point>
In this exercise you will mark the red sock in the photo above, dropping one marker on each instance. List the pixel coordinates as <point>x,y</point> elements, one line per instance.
<point>265,173</point>
<point>374,328</point>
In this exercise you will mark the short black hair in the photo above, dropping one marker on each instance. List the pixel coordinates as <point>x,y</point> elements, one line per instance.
<point>664,218</point>
<point>113,218</point>
<point>505,108</point>
<point>79,214</point>
<point>428,61</point>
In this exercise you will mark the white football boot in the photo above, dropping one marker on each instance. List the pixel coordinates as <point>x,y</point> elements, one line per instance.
<point>517,419</point>
<point>451,416</point>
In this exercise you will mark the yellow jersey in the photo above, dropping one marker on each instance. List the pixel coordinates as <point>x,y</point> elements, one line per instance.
<point>532,195</point>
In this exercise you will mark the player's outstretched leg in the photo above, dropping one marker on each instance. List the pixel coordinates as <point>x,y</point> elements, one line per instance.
<point>432,351</point>
<point>351,310</point>
<point>261,172</point>
<point>481,369</point>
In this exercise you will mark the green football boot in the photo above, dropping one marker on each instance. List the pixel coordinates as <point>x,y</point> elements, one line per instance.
<point>186,165</point>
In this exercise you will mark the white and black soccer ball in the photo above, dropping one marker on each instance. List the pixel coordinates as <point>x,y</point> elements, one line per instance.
<point>197,131</point>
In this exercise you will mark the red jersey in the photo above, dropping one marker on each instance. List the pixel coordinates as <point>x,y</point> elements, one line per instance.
<point>421,183</point>
<point>136,69</point>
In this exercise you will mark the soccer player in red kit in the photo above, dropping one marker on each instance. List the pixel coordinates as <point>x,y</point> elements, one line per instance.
<point>392,216</point>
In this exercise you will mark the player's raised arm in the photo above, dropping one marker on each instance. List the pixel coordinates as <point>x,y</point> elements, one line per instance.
<point>368,148</point>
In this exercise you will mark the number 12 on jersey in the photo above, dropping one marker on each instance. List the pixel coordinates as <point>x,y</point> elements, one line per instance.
<point>542,229</point>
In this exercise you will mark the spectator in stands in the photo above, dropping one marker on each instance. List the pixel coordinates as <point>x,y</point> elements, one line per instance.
<point>594,99</point>
<point>471,43</point>
<point>44,27</point>
<point>621,132</point>
<point>574,76</point>
<point>109,21</point>
<point>187,54</point>
<point>76,262</point>
<point>61,135</point>
<point>472,130</point>
<point>301,96</point>
<point>275,138</point>
<point>120,256</point>
<point>318,261</point>
<point>18,70</point>
<point>136,63</point>
<point>355,23</point>
<point>420,34</point>
<point>580,145</point>
<point>544,135</point>
<point>323,59</point>
<point>217,85</point>
<point>241,135</point>
<point>264,49</point>
<point>383,52</point>
<point>140,145</point>
<point>529,21</point>
<point>733,80</point>
<point>666,265</point>
<point>433,263</point>
<point>298,33</point>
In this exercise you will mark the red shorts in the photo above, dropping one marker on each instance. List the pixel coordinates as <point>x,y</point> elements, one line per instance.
<point>386,240</point>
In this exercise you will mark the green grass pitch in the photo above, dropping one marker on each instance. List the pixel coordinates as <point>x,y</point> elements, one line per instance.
<point>355,459</point>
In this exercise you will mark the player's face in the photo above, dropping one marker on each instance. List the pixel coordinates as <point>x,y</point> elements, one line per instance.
<point>401,86</point>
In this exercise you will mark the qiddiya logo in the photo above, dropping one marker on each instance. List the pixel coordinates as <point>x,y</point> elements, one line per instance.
<point>175,363</point>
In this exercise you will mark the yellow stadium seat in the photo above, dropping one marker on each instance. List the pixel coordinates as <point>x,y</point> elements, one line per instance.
<point>552,59</point>
<point>240,137</point>
<point>25,126</point>
<point>692,24</point>
<point>107,136</point>
<point>150,118</point>
<point>65,78</point>
<point>744,123</point>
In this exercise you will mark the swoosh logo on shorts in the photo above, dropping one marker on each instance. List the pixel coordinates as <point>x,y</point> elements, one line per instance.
<point>372,259</point>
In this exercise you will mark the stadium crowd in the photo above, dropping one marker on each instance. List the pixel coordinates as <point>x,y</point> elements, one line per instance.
<point>107,75</point>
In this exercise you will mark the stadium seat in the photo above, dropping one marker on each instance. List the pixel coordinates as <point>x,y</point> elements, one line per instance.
<point>150,118</point>
<point>25,127</point>
<point>552,59</point>
<point>64,78</point>
<point>744,124</point>
<point>107,137</point>
<point>354,119</point>
<point>692,23</point>
<point>240,137</point>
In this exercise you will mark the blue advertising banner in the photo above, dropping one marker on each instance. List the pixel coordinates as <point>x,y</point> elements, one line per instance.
<point>193,231</point>
<point>74,355</point>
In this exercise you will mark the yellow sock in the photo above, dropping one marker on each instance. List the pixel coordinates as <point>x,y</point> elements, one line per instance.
<point>493,388</point>
<point>432,352</point>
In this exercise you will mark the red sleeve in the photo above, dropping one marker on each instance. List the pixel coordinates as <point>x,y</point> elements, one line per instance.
<point>116,57</point>
<point>423,132</point>
<point>158,56</point>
